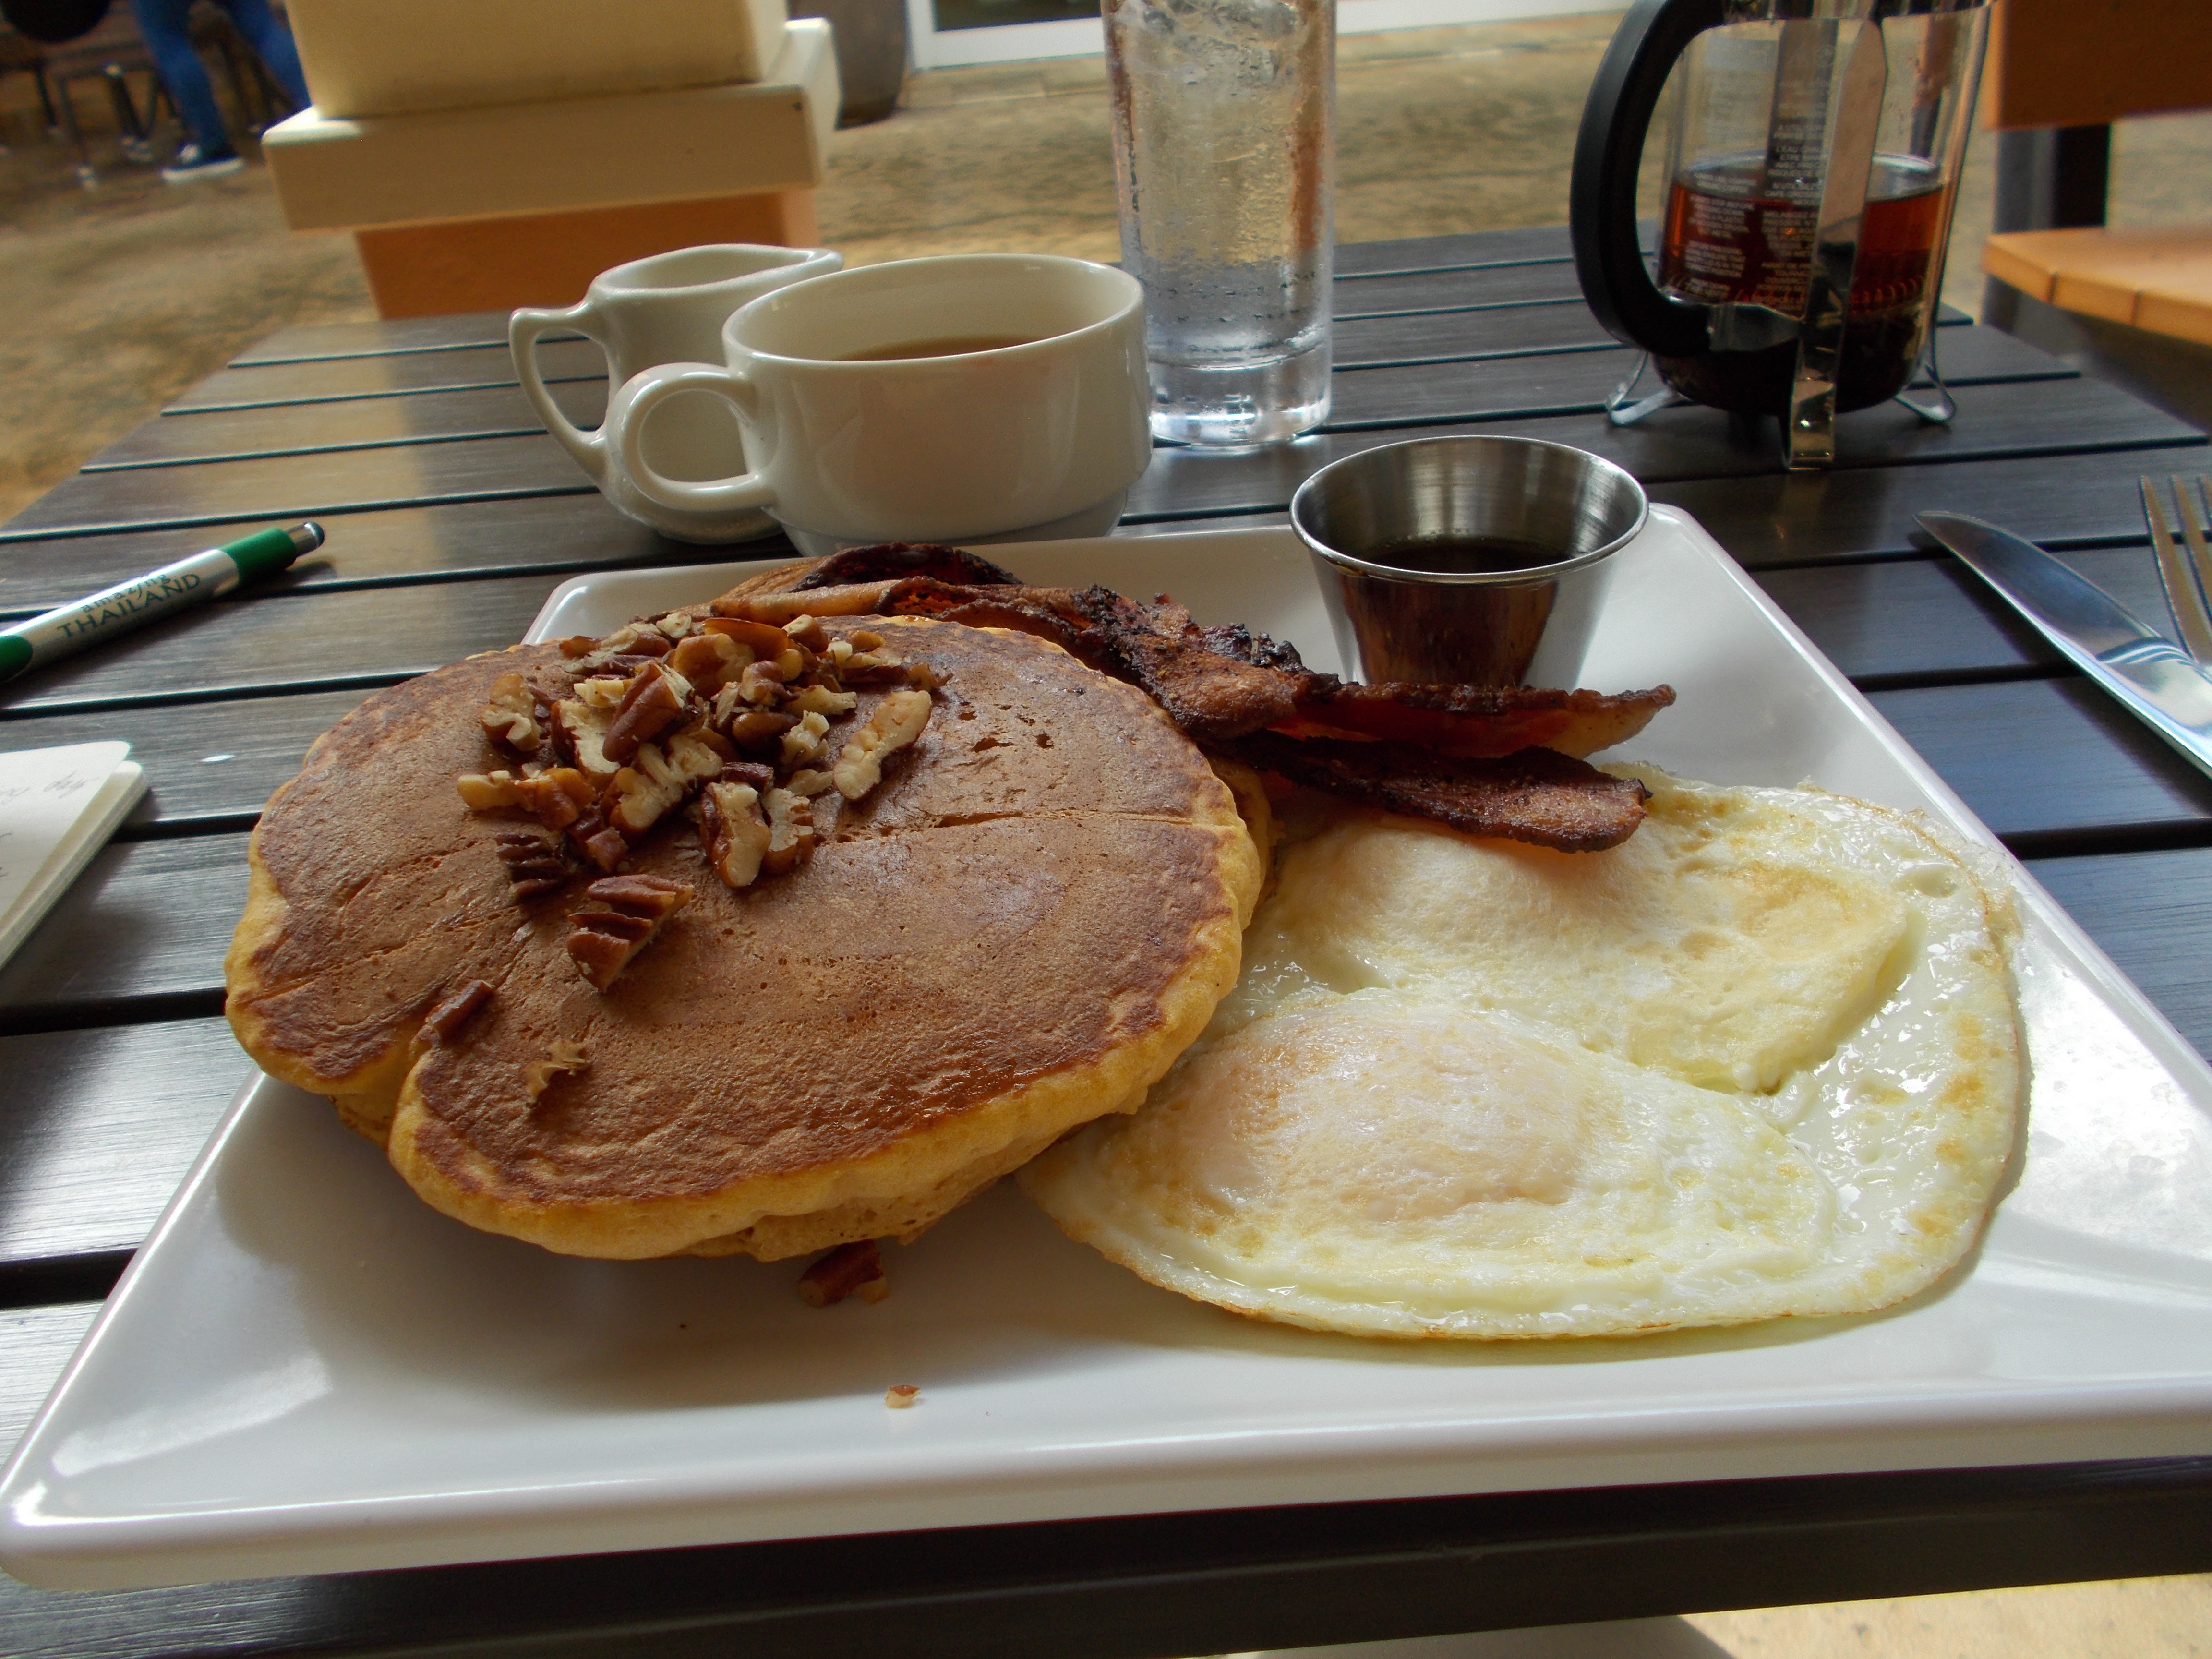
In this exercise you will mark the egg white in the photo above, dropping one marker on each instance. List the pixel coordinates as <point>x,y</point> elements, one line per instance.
<point>1760,1060</point>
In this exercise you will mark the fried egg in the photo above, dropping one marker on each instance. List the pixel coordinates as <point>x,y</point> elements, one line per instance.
<point>1760,1060</point>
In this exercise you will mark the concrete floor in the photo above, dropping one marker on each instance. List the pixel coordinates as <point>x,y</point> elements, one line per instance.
<point>119,298</point>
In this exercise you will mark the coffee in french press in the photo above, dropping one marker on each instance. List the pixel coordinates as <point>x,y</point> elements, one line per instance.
<point>1813,166</point>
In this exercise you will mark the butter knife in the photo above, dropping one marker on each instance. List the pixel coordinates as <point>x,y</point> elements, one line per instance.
<point>2158,681</point>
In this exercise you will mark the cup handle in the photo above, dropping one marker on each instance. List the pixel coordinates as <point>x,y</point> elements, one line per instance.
<point>633,406</point>
<point>588,449</point>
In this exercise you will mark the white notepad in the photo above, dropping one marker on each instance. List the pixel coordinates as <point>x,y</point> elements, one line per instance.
<point>58,807</point>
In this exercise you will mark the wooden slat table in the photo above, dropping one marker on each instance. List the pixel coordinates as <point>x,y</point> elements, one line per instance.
<point>451,519</point>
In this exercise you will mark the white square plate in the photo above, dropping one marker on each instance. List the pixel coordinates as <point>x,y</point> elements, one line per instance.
<point>308,1370</point>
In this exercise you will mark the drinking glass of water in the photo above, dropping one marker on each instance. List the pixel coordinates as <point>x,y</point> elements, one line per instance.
<point>1224,152</point>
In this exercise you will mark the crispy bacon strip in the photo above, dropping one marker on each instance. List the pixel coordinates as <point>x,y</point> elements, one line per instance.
<point>1222,683</point>
<point>1476,721</point>
<point>1537,795</point>
<point>1492,760</point>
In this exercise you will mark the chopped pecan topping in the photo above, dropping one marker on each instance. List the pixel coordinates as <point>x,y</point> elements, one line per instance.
<point>757,730</point>
<point>636,907</point>
<point>733,832</point>
<point>652,702</point>
<point>601,690</point>
<point>762,639</point>
<point>511,716</point>
<point>804,741</point>
<point>661,710</point>
<point>821,699</point>
<point>762,778</point>
<point>872,668</point>
<point>443,1023</point>
<point>579,645</point>
<point>848,1270</point>
<point>583,731</point>
<point>658,780</point>
<point>535,863</point>
<point>487,791</point>
<point>790,831</point>
<point>636,640</point>
<point>558,797</point>
<point>761,683</point>
<point>563,1058</point>
<point>897,722</point>
<point>901,1395</point>
<point>606,847</point>
<point>708,660</point>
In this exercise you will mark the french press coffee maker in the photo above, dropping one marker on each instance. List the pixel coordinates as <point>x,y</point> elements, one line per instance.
<point>1811,173</point>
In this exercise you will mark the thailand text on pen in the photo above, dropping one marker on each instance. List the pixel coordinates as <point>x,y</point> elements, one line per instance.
<point>117,609</point>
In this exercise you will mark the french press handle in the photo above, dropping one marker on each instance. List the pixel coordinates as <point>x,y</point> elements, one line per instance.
<point>1608,155</point>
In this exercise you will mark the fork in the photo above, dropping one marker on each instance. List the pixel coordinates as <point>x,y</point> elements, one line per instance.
<point>2185,590</point>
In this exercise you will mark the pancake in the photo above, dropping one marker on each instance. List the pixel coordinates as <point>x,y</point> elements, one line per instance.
<point>1016,931</point>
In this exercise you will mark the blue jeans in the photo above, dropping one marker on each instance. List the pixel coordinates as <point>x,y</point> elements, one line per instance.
<point>169,38</point>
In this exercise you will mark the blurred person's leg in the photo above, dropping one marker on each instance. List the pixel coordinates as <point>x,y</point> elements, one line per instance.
<point>271,40</point>
<point>165,24</point>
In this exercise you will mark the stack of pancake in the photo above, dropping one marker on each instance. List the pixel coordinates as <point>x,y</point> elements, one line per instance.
<point>1016,932</point>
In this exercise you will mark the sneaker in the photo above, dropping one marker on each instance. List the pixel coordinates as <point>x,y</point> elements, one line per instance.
<point>193,162</point>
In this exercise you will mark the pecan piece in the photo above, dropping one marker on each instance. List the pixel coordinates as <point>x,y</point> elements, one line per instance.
<point>604,941</point>
<point>790,831</point>
<point>443,1023</point>
<point>763,639</point>
<point>733,832</point>
<point>820,699</point>
<point>597,840</point>
<point>808,633</point>
<point>583,731</point>
<point>757,729</point>
<point>487,791</point>
<point>558,797</point>
<point>805,741</point>
<point>564,1058</point>
<point>630,640</point>
<point>535,863</point>
<point>761,683</point>
<point>854,1269</point>
<point>651,703</point>
<point>708,660</point>
<point>658,780</point>
<point>601,690</point>
<point>510,715</point>
<point>897,722</point>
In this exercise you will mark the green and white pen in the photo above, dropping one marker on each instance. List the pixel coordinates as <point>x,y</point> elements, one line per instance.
<point>158,594</point>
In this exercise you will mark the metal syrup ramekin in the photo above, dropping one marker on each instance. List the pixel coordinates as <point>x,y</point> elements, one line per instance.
<point>1527,626</point>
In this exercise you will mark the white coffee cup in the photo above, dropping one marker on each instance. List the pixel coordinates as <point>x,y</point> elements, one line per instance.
<point>669,308</point>
<point>978,441</point>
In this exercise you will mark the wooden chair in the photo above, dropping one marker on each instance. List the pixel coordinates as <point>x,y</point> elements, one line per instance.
<point>2135,305</point>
